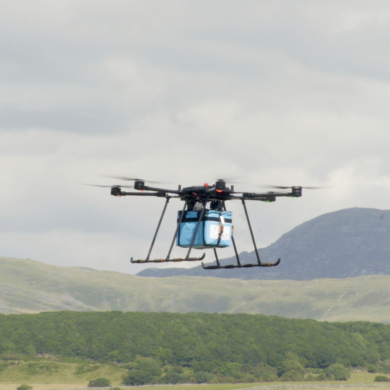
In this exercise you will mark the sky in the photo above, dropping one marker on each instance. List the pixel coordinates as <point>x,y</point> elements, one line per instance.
<point>185,92</point>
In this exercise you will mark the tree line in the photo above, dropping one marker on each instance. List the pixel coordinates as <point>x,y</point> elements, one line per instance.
<point>200,347</point>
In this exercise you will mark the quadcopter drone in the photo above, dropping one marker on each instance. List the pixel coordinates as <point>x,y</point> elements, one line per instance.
<point>199,227</point>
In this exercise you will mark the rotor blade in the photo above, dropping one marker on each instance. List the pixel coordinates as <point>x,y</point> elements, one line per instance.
<point>255,193</point>
<point>132,179</point>
<point>230,180</point>
<point>289,187</point>
<point>315,188</point>
<point>98,185</point>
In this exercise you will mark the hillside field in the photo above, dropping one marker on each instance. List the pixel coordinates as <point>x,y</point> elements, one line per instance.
<point>67,380</point>
<point>28,286</point>
<point>163,348</point>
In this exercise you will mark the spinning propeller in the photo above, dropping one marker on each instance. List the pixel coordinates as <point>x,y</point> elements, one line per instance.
<point>288,187</point>
<point>133,179</point>
<point>98,185</point>
<point>137,182</point>
<point>230,180</point>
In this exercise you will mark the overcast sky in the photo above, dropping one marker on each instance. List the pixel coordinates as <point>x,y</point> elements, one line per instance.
<point>283,92</point>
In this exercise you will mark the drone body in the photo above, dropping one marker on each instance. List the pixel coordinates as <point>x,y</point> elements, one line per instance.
<point>204,222</point>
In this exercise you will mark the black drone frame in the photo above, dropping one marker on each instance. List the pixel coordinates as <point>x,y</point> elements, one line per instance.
<point>216,194</point>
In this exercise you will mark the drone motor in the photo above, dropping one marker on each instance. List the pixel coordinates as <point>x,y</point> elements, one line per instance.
<point>139,185</point>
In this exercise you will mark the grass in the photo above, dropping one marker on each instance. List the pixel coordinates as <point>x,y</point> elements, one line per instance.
<point>58,375</point>
<point>362,377</point>
<point>41,287</point>
<point>82,386</point>
<point>51,371</point>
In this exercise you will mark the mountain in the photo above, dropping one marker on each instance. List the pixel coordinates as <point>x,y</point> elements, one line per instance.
<point>28,286</point>
<point>342,244</point>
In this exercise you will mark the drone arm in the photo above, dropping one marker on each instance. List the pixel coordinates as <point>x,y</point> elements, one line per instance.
<point>268,198</point>
<point>161,190</point>
<point>254,195</point>
<point>158,194</point>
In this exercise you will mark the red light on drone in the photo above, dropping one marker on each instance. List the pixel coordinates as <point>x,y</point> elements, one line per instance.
<point>205,185</point>
<point>219,191</point>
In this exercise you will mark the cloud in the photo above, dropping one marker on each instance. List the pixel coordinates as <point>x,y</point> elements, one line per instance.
<point>184,92</point>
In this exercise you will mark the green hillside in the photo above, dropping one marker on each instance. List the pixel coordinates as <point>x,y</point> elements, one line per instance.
<point>196,347</point>
<point>28,286</point>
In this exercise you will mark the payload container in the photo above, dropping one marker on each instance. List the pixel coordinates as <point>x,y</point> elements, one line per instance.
<point>215,230</point>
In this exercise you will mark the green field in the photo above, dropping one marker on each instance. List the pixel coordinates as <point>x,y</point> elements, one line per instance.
<point>28,286</point>
<point>66,379</point>
<point>48,371</point>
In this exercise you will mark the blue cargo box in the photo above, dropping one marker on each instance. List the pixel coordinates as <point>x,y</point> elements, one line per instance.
<point>209,234</point>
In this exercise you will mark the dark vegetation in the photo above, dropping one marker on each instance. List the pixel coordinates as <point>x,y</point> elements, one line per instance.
<point>381,378</point>
<point>24,387</point>
<point>199,347</point>
<point>100,382</point>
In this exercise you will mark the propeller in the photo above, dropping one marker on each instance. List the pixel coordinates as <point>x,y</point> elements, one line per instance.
<point>279,188</point>
<point>98,185</point>
<point>230,180</point>
<point>133,179</point>
<point>289,187</point>
<point>254,193</point>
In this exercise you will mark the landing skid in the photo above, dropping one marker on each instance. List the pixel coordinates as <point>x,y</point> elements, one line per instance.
<point>230,266</point>
<point>188,258</point>
<point>169,260</point>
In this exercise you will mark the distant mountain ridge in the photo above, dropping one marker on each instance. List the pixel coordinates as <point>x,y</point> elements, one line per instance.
<point>342,244</point>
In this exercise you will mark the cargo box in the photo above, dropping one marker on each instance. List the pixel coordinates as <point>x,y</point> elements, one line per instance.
<point>215,230</point>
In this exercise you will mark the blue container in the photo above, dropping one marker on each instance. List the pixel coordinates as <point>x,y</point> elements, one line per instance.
<point>215,230</point>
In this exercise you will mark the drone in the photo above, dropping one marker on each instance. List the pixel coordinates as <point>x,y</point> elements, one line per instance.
<point>204,222</point>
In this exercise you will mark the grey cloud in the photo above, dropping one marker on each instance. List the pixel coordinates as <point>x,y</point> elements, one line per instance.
<point>87,122</point>
<point>282,92</point>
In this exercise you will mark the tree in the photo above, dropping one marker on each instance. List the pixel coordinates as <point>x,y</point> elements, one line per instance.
<point>202,377</point>
<point>381,378</point>
<point>338,372</point>
<point>100,382</point>
<point>171,377</point>
<point>145,371</point>
<point>24,387</point>
<point>137,377</point>
<point>291,376</point>
<point>290,365</point>
<point>372,368</point>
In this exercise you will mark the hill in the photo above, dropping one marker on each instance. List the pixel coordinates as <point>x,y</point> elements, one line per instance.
<point>197,347</point>
<point>28,286</point>
<point>342,244</point>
